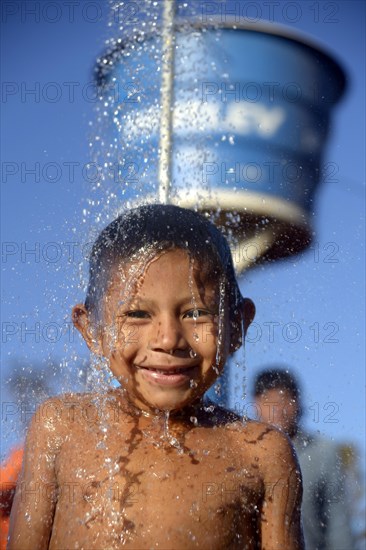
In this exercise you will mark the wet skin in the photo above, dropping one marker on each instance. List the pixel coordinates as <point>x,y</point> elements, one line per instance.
<point>108,471</point>
<point>166,336</point>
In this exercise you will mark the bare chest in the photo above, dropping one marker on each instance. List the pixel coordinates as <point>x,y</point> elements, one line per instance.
<point>139,490</point>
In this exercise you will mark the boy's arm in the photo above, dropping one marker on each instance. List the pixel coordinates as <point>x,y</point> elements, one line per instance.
<point>281,512</point>
<point>35,499</point>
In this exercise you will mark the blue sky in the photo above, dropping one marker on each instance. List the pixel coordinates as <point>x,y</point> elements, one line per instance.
<point>45,183</point>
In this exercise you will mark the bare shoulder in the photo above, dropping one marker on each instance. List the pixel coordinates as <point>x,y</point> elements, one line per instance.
<point>55,411</point>
<point>58,415</point>
<point>266,435</point>
<point>270,446</point>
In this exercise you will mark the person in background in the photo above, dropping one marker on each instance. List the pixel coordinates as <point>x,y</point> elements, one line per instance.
<point>325,514</point>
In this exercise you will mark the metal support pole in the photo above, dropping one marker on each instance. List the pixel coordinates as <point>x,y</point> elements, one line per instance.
<point>167,89</point>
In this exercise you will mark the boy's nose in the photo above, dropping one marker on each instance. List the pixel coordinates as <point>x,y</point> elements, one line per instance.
<point>168,336</point>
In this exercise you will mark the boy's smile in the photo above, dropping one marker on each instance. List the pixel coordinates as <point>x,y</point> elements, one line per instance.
<point>168,376</point>
<point>162,341</point>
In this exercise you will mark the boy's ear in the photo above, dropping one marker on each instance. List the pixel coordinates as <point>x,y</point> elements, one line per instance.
<point>81,320</point>
<point>248,313</point>
<point>245,316</point>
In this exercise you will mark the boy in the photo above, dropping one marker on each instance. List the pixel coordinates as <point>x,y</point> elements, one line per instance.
<point>149,464</point>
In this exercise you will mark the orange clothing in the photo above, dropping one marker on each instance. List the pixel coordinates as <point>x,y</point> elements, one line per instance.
<point>9,473</point>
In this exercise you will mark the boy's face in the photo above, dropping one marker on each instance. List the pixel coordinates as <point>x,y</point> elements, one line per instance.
<point>161,336</point>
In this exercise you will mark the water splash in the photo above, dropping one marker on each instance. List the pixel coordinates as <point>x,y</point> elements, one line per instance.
<point>167,437</point>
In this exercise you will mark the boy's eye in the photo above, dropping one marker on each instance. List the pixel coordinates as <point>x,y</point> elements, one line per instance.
<point>137,314</point>
<point>197,314</point>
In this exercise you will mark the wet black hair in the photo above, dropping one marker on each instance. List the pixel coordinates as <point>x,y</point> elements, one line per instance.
<point>277,379</point>
<point>161,227</point>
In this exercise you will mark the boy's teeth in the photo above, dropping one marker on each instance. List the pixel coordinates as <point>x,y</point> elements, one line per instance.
<point>170,371</point>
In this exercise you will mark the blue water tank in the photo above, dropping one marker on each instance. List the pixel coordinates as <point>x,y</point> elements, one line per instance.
<point>250,108</point>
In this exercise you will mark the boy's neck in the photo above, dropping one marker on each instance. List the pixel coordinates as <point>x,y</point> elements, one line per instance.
<point>201,413</point>
<point>188,417</point>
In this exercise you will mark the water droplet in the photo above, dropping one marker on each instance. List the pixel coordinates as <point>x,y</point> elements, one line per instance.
<point>194,420</point>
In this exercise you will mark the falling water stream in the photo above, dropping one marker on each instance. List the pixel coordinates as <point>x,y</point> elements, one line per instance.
<point>148,150</point>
